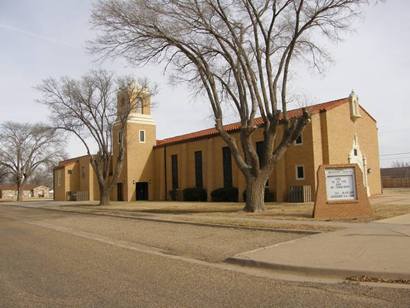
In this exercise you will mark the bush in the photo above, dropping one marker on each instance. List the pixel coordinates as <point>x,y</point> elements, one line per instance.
<point>173,194</point>
<point>226,194</point>
<point>195,194</point>
<point>269,195</point>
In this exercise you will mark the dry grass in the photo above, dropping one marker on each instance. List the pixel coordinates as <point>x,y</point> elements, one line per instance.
<point>260,224</point>
<point>392,203</point>
<point>388,211</point>
<point>282,211</point>
<point>292,211</point>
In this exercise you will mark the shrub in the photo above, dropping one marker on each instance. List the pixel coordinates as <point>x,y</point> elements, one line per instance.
<point>195,194</point>
<point>225,194</point>
<point>269,195</point>
<point>173,194</point>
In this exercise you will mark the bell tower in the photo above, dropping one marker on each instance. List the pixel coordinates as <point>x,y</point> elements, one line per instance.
<point>137,176</point>
<point>136,102</point>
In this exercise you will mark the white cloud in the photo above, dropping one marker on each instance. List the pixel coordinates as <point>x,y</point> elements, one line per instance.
<point>36,36</point>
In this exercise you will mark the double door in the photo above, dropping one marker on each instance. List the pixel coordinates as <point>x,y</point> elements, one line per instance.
<point>141,191</point>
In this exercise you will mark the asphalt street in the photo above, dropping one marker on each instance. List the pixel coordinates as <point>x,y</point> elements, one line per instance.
<point>55,259</point>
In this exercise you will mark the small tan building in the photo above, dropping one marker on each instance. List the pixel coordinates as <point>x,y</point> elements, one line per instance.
<point>9,191</point>
<point>340,132</point>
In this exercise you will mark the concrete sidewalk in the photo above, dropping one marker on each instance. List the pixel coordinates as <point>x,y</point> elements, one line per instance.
<point>380,250</point>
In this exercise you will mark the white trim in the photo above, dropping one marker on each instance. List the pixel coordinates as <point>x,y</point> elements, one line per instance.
<point>139,136</point>
<point>296,172</point>
<point>361,160</point>
<point>140,119</point>
<point>354,106</point>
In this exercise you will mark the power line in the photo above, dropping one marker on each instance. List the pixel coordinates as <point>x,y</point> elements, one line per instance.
<point>395,132</point>
<point>395,154</point>
<point>396,158</point>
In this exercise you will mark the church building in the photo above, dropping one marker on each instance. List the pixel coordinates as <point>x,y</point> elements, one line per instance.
<point>340,132</point>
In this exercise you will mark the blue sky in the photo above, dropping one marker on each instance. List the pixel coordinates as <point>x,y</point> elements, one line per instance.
<point>43,38</point>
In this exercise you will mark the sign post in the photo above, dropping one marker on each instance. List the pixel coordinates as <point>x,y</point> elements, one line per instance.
<point>340,193</point>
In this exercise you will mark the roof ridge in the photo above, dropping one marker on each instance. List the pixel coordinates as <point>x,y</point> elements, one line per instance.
<point>11,186</point>
<point>234,126</point>
<point>68,160</point>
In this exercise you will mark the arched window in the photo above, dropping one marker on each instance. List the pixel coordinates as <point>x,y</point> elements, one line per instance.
<point>139,105</point>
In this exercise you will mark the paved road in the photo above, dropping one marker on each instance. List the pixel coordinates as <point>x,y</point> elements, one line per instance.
<point>59,259</point>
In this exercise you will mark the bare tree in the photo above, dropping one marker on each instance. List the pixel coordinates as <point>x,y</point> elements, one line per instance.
<point>399,164</point>
<point>238,52</point>
<point>26,147</point>
<point>87,108</point>
<point>43,176</point>
<point>3,173</point>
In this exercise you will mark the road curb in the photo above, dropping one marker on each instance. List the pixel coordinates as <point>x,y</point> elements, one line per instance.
<point>315,271</point>
<point>298,231</point>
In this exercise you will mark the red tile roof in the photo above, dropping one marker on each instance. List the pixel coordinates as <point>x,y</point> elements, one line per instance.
<point>14,186</point>
<point>62,163</point>
<point>236,126</point>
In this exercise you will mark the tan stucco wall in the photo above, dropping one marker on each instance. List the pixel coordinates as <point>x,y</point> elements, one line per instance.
<point>301,154</point>
<point>36,192</point>
<point>369,144</point>
<point>341,131</point>
<point>76,176</point>
<point>139,159</point>
<point>328,138</point>
<point>6,194</point>
<point>138,165</point>
<point>212,161</point>
<point>59,184</point>
<point>41,192</point>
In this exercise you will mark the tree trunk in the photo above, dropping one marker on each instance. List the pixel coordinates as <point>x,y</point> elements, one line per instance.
<point>20,192</point>
<point>255,194</point>
<point>104,196</point>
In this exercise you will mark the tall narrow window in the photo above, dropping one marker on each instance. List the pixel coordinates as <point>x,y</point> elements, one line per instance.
<point>299,139</point>
<point>198,169</point>
<point>142,136</point>
<point>58,173</point>
<point>174,165</point>
<point>111,168</point>
<point>227,166</point>
<point>139,105</point>
<point>300,172</point>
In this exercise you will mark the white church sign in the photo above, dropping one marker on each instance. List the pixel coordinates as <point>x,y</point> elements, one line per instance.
<point>340,184</point>
<point>340,193</point>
